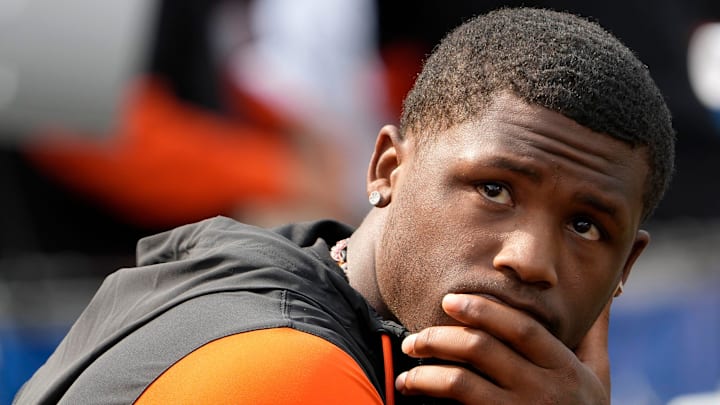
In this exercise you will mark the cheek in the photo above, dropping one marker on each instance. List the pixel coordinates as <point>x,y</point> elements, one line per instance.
<point>585,309</point>
<point>411,266</point>
<point>585,297</point>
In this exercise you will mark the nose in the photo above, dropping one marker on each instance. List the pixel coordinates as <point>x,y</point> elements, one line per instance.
<point>531,254</point>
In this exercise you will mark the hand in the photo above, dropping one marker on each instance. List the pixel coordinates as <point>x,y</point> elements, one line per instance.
<point>508,358</point>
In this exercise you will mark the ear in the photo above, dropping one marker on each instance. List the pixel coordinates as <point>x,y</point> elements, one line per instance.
<point>390,151</point>
<point>642,239</point>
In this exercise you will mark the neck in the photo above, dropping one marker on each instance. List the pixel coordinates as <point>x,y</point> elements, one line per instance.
<point>363,248</point>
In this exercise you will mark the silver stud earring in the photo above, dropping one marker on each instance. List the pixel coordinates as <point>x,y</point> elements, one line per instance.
<point>619,289</point>
<point>375,198</point>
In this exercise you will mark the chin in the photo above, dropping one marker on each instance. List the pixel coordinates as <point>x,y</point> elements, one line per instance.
<point>415,325</point>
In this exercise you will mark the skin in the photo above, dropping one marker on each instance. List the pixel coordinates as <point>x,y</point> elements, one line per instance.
<point>500,245</point>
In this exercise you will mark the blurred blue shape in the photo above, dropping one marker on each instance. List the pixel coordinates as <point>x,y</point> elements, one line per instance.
<point>22,351</point>
<point>665,348</point>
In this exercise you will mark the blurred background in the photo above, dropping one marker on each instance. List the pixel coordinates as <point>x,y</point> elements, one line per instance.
<point>123,118</point>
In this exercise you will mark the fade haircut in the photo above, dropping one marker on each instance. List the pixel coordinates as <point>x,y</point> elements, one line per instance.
<point>555,60</point>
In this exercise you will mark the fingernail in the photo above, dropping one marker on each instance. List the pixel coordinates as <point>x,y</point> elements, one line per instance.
<point>400,381</point>
<point>408,344</point>
<point>453,302</point>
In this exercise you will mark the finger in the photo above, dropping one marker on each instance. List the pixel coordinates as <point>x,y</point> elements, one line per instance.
<point>593,348</point>
<point>451,382</point>
<point>516,328</point>
<point>477,349</point>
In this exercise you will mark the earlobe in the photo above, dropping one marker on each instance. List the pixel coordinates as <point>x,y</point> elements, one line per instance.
<point>386,159</point>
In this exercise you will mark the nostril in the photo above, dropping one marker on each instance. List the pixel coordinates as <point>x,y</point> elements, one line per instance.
<point>521,276</point>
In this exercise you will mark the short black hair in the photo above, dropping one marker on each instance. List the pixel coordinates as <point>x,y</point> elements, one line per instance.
<point>556,60</point>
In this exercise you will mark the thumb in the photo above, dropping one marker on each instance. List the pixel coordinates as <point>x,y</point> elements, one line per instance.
<point>593,348</point>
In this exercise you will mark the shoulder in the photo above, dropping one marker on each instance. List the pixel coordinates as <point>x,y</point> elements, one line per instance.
<point>278,366</point>
<point>210,235</point>
<point>227,237</point>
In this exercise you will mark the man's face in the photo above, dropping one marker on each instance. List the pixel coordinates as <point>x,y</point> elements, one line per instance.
<point>523,206</point>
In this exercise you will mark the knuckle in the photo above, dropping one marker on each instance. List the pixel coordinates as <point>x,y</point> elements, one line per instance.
<point>570,376</point>
<point>411,379</point>
<point>425,340</point>
<point>565,389</point>
<point>479,307</point>
<point>527,330</point>
<point>455,381</point>
<point>480,342</point>
<point>548,398</point>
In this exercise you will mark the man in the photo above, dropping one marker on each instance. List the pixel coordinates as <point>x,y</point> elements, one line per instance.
<point>507,213</point>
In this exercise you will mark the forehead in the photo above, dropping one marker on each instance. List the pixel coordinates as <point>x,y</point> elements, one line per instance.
<point>544,145</point>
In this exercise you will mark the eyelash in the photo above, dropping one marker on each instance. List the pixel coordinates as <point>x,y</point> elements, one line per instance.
<point>482,189</point>
<point>601,234</point>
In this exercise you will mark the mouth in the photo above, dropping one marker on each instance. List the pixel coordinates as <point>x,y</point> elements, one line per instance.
<point>524,306</point>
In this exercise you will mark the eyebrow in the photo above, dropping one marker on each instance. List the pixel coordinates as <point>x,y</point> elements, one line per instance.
<point>597,204</point>
<point>514,166</point>
<point>590,200</point>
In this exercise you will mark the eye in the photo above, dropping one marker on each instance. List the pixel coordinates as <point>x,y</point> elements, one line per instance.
<point>585,228</point>
<point>495,192</point>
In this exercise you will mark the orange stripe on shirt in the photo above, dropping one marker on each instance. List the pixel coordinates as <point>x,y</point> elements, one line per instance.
<point>269,366</point>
